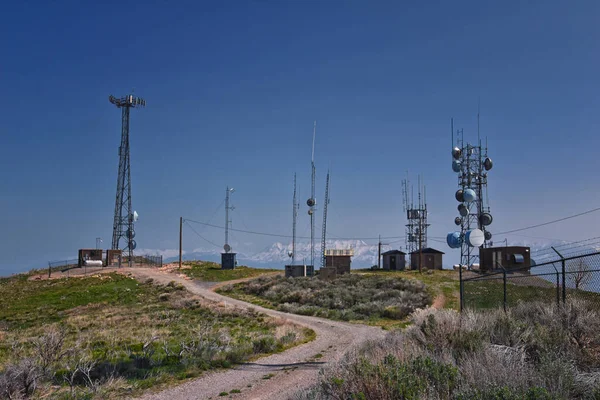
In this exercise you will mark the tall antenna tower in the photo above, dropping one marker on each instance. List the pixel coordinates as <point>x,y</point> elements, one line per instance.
<point>324,231</point>
<point>311,202</point>
<point>416,216</point>
<point>296,205</point>
<point>124,215</point>
<point>472,164</point>
<point>228,207</point>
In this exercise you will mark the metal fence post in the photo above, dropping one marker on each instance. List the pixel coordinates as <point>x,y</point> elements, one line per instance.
<point>564,278</point>
<point>564,286</point>
<point>504,285</point>
<point>461,288</point>
<point>557,290</point>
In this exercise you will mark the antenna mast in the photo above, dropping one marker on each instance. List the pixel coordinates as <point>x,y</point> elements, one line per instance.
<point>324,232</point>
<point>227,247</point>
<point>295,217</point>
<point>311,202</point>
<point>124,216</point>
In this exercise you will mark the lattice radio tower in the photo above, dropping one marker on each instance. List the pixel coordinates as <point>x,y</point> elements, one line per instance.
<point>416,216</point>
<point>124,214</point>
<point>471,162</point>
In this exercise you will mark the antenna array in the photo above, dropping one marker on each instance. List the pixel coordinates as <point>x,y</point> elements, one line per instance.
<point>472,164</point>
<point>416,215</point>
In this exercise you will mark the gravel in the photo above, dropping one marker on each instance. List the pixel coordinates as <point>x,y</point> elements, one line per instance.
<point>277,376</point>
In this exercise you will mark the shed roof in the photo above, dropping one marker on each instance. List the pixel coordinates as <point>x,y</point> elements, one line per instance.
<point>428,250</point>
<point>390,252</point>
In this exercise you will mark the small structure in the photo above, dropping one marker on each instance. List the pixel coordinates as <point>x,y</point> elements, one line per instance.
<point>508,257</point>
<point>337,262</point>
<point>341,260</point>
<point>430,258</point>
<point>228,260</point>
<point>113,258</point>
<point>89,255</point>
<point>394,260</point>
<point>295,271</point>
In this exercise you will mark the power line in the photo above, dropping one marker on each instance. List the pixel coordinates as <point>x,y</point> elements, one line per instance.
<point>200,236</point>
<point>549,222</point>
<point>286,236</point>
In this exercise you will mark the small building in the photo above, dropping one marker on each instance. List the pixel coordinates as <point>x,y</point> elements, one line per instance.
<point>394,260</point>
<point>430,258</point>
<point>228,260</point>
<point>508,257</point>
<point>341,260</point>
<point>88,255</point>
<point>113,258</point>
<point>295,271</point>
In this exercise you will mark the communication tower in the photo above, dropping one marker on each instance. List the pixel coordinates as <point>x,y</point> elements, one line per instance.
<point>324,230</point>
<point>416,216</point>
<point>295,207</point>
<point>312,202</point>
<point>124,215</point>
<point>227,258</point>
<point>471,163</point>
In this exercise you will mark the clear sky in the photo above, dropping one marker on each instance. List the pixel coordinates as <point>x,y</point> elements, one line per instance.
<point>232,89</point>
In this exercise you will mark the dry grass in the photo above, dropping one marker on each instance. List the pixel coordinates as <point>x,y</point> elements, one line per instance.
<point>535,351</point>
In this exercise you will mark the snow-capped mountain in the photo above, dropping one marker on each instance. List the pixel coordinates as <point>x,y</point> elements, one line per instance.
<point>276,255</point>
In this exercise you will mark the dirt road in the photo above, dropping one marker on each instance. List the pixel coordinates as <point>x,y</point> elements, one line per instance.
<point>273,377</point>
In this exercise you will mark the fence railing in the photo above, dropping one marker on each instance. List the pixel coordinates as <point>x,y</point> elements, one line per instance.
<point>137,261</point>
<point>558,281</point>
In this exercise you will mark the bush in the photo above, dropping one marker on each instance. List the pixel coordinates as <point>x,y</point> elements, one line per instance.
<point>534,352</point>
<point>347,297</point>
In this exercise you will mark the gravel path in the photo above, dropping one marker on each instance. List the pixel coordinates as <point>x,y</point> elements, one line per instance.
<point>273,377</point>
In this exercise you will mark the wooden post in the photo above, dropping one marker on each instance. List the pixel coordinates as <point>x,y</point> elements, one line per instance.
<point>180,237</point>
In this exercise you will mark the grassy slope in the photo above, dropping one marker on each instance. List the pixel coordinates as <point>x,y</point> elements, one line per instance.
<point>112,316</point>
<point>212,272</point>
<point>373,299</point>
<point>438,283</point>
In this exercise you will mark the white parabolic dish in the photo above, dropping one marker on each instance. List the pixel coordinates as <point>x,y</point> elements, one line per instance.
<point>475,237</point>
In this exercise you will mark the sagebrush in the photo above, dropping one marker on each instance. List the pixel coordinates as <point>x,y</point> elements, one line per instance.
<point>534,351</point>
<point>347,297</point>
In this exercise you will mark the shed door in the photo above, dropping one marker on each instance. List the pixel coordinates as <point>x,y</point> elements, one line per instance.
<point>392,262</point>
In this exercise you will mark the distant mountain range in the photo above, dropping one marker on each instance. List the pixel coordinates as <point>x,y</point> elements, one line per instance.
<point>276,255</point>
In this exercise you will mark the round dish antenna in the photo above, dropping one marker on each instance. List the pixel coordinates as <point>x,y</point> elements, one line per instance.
<point>227,248</point>
<point>456,153</point>
<point>475,237</point>
<point>459,195</point>
<point>469,195</point>
<point>456,166</point>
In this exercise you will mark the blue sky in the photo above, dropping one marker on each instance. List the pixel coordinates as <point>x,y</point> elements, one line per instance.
<point>232,89</point>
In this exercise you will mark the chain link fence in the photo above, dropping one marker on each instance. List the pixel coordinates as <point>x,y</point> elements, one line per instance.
<point>560,280</point>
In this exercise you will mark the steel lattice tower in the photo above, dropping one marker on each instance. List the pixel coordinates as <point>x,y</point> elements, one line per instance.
<point>416,216</point>
<point>124,214</point>
<point>472,164</point>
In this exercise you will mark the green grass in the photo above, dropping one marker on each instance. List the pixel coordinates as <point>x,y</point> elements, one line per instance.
<point>212,272</point>
<point>151,335</point>
<point>32,303</point>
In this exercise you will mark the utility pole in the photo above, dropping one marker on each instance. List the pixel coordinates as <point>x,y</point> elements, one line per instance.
<point>180,238</point>
<point>379,254</point>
